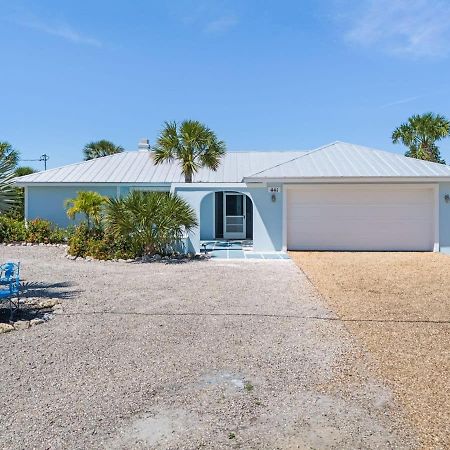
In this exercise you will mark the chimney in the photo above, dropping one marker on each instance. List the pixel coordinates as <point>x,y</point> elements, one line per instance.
<point>144,145</point>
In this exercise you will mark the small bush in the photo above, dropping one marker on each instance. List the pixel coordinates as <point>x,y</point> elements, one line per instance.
<point>78,240</point>
<point>38,230</point>
<point>43,231</point>
<point>58,236</point>
<point>98,249</point>
<point>12,230</point>
<point>97,243</point>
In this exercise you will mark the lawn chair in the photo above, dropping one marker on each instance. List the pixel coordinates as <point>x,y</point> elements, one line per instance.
<point>10,286</point>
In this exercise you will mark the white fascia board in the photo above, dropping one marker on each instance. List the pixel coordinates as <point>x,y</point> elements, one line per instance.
<point>88,183</point>
<point>176,186</point>
<point>356,180</point>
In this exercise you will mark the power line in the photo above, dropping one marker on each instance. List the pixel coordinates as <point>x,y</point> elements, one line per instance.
<point>43,157</point>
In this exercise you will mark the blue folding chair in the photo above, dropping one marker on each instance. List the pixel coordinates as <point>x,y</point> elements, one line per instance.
<point>10,286</point>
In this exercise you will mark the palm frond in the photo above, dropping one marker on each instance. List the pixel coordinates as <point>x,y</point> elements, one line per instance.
<point>193,144</point>
<point>9,195</point>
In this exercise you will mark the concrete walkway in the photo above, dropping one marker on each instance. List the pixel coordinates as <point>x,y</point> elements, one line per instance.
<point>237,250</point>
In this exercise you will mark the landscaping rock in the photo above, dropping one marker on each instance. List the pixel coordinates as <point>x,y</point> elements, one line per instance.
<point>21,325</point>
<point>47,304</point>
<point>5,328</point>
<point>157,257</point>
<point>47,316</point>
<point>57,309</point>
<point>29,244</point>
<point>34,322</point>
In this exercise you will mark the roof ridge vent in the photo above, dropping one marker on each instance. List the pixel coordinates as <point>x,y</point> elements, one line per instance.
<point>144,145</point>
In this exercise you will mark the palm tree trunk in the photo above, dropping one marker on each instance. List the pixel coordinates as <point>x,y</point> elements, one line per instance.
<point>188,177</point>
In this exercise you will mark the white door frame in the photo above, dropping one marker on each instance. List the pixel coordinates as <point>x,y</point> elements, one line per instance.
<point>235,235</point>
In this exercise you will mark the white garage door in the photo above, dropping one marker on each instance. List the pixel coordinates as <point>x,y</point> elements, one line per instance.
<point>360,217</point>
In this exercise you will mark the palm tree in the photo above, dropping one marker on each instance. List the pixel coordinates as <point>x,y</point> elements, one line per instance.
<point>7,152</point>
<point>23,170</point>
<point>150,221</point>
<point>88,203</point>
<point>9,195</point>
<point>100,148</point>
<point>18,210</point>
<point>193,144</point>
<point>420,134</point>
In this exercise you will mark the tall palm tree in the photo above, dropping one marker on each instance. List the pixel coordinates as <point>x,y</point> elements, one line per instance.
<point>192,144</point>
<point>421,133</point>
<point>100,148</point>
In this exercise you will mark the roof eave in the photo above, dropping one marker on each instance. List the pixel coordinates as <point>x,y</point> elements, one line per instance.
<point>371,179</point>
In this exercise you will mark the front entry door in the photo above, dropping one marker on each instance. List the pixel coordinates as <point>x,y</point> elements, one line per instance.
<point>234,226</point>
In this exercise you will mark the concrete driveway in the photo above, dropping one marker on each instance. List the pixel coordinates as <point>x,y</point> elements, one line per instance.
<point>210,354</point>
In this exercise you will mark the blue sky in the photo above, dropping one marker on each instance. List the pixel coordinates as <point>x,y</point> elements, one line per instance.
<point>266,75</point>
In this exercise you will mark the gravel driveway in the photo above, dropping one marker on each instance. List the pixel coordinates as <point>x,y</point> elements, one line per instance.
<point>205,354</point>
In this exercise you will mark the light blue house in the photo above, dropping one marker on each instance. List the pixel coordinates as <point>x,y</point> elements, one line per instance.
<point>337,197</point>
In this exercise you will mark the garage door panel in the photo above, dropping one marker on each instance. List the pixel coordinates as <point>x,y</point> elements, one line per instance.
<point>374,218</point>
<point>358,212</point>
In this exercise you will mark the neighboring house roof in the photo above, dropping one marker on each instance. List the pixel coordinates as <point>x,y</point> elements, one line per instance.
<point>138,167</point>
<point>342,160</point>
<point>337,160</point>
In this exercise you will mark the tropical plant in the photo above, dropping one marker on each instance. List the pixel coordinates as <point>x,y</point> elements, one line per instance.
<point>192,144</point>
<point>88,203</point>
<point>36,231</point>
<point>17,211</point>
<point>23,170</point>
<point>7,152</point>
<point>100,148</point>
<point>12,230</point>
<point>9,195</point>
<point>152,222</point>
<point>420,133</point>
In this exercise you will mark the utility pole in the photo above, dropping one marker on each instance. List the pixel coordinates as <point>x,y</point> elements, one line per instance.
<point>43,158</point>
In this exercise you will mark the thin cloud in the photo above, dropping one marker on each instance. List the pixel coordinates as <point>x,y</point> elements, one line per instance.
<point>400,102</point>
<point>61,30</point>
<point>415,28</point>
<point>221,24</point>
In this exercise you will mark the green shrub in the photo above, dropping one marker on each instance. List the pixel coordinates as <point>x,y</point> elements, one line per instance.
<point>12,230</point>
<point>97,243</point>
<point>58,235</point>
<point>98,249</point>
<point>150,222</point>
<point>78,240</point>
<point>38,230</point>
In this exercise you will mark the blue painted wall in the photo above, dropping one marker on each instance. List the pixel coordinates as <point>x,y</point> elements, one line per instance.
<point>444,218</point>
<point>267,220</point>
<point>47,202</point>
<point>207,229</point>
<point>267,216</point>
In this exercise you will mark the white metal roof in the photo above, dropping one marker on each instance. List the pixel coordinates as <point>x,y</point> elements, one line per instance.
<point>342,160</point>
<point>337,160</point>
<point>138,167</point>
